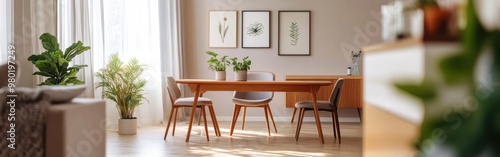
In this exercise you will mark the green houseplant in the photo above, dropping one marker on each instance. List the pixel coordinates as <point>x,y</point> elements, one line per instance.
<point>467,126</point>
<point>218,65</point>
<point>121,83</point>
<point>54,64</point>
<point>241,68</point>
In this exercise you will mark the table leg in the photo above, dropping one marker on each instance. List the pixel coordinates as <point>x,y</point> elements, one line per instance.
<point>193,111</point>
<point>316,116</point>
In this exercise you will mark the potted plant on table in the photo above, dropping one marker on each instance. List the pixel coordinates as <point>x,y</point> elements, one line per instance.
<point>122,85</point>
<point>241,68</point>
<point>218,65</point>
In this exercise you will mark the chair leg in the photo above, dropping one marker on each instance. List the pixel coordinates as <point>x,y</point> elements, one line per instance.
<point>293,114</point>
<point>199,117</point>
<point>175,120</point>
<point>235,118</point>
<point>299,123</point>
<point>272,119</point>
<point>214,120</point>
<point>338,126</point>
<point>267,122</point>
<point>205,121</point>
<point>244,115</point>
<point>334,124</point>
<point>168,123</point>
<point>359,114</point>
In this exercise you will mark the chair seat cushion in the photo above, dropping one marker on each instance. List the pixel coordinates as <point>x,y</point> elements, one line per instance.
<point>188,101</point>
<point>322,105</point>
<point>251,102</point>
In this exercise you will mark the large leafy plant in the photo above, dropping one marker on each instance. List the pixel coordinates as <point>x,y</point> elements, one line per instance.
<point>122,84</point>
<point>54,64</point>
<point>470,127</point>
<point>217,64</point>
<point>243,65</point>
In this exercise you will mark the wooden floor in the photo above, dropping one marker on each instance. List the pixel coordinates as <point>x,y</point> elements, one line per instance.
<point>253,141</point>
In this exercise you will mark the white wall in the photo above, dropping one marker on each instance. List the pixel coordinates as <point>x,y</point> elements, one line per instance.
<point>355,23</point>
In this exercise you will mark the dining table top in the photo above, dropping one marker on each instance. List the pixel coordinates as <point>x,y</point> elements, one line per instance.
<point>211,81</point>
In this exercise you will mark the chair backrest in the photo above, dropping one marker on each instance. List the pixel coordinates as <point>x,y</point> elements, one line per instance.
<point>173,89</point>
<point>336,92</point>
<point>256,76</point>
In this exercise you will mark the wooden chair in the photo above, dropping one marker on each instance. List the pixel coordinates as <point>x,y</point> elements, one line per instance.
<point>178,102</point>
<point>254,99</point>
<point>330,106</point>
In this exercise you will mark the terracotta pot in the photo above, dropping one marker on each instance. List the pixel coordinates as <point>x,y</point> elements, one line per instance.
<point>435,20</point>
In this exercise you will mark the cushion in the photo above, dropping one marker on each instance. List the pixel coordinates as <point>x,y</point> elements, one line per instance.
<point>251,102</point>
<point>188,101</point>
<point>322,105</point>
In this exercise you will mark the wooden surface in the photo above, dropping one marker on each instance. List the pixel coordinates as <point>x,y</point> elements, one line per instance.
<point>251,142</point>
<point>352,91</point>
<point>385,134</point>
<point>391,45</point>
<point>199,86</point>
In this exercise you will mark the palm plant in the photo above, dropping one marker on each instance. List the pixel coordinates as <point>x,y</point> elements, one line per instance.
<point>121,84</point>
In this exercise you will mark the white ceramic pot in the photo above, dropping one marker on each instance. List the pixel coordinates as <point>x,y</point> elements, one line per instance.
<point>241,75</point>
<point>220,75</point>
<point>127,126</point>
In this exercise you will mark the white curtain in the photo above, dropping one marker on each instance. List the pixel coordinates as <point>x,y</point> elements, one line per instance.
<point>73,25</point>
<point>171,45</point>
<point>5,28</point>
<point>129,28</point>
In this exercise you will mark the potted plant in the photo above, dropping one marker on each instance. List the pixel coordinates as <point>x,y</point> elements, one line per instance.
<point>218,65</point>
<point>241,68</point>
<point>121,84</point>
<point>54,64</point>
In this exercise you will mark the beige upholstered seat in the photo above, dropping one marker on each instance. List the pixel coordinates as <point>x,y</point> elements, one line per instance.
<point>330,106</point>
<point>254,99</point>
<point>177,102</point>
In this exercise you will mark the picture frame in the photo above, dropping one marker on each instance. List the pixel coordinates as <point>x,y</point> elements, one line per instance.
<point>223,29</point>
<point>294,33</point>
<point>256,29</point>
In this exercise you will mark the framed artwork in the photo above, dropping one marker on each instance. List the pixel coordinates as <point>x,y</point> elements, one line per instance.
<point>294,34</point>
<point>223,29</point>
<point>255,29</point>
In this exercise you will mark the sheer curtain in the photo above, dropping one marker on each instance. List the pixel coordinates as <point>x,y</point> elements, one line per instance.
<point>5,28</point>
<point>171,45</point>
<point>129,28</point>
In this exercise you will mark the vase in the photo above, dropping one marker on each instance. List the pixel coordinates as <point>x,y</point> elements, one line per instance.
<point>241,75</point>
<point>220,75</point>
<point>355,69</point>
<point>127,126</point>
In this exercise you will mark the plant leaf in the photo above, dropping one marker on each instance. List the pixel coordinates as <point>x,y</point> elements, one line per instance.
<point>424,91</point>
<point>49,42</point>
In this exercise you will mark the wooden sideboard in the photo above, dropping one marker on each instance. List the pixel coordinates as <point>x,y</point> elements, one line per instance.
<point>352,91</point>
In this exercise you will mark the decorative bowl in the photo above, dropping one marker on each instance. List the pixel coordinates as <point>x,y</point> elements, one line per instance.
<point>63,93</point>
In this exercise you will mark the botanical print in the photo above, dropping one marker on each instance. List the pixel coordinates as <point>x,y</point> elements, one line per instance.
<point>255,29</point>
<point>294,33</point>
<point>223,34</point>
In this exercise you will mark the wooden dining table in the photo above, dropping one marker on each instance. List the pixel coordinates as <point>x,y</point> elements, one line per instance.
<point>200,86</point>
